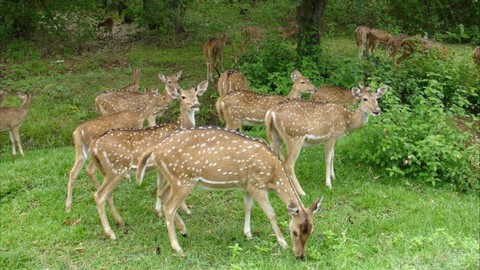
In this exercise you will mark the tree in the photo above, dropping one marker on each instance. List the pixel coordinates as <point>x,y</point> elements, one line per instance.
<point>309,14</point>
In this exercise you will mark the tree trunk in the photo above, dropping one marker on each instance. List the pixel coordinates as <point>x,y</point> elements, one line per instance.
<point>309,14</point>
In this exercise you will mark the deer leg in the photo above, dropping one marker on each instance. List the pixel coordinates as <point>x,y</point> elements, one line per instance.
<point>80,158</point>
<point>101,196</point>
<point>178,195</point>
<point>329,153</point>
<point>261,196</point>
<point>162,193</point>
<point>293,150</point>
<point>12,141</point>
<point>16,135</point>
<point>90,170</point>
<point>273,136</point>
<point>248,200</point>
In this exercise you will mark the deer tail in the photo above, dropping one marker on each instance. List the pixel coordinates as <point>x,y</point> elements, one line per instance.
<point>142,165</point>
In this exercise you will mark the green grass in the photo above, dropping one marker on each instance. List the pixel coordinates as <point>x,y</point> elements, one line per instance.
<point>368,221</point>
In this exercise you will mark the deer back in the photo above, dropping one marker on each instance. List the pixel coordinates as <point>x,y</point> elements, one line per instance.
<point>232,80</point>
<point>13,116</point>
<point>476,55</point>
<point>378,35</point>
<point>334,94</point>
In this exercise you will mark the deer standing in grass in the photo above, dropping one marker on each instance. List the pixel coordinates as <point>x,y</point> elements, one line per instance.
<point>214,158</point>
<point>117,101</point>
<point>87,132</point>
<point>244,107</point>
<point>375,37</point>
<point>12,118</point>
<point>476,55</point>
<point>299,123</point>
<point>361,33</point>
<point>118,151</point>
<point>107,25</point>
<point>231,80</point>
<point>213,52</point>
<point>252,34</point>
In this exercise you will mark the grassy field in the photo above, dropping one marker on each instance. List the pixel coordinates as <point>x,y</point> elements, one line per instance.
<point>368,220</point>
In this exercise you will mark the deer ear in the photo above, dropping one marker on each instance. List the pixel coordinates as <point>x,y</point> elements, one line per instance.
<point>315,207</point>
<point>171,91</point>
<point>295,74</point>
<point>381,91</point>
<point>162,77</point>
<point>292,208</point>
<point>356,92</point>
<point>155,89</point>
<point>179,74</point>
<point>201,88</point>
<point>360,84</point>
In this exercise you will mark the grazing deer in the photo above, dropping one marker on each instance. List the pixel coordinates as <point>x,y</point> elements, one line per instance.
<point>361,33</point>
<point>245,107</point>
<point>305,123</point>
<point>394,45</point>
<point>116,101</point>
<point>252,34</point>
<point>118,151</point>
<point>213,52</point>
<point>417,44</point>
<point>232,80</point>
<point>476,55</point>
<point>87,132</point>
<point>217,159</point>
<point>375,37</point>
<point>12,118</point>
<point>334,94</point>
<point>107,25</point>
<point>291,32</point>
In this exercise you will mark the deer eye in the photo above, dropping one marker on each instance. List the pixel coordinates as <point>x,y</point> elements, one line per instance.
<point>365,99</point>
<point>295,233</point>
<point>184,97</point>
<point>303,82</point>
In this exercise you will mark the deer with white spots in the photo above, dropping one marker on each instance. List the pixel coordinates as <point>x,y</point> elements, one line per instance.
<point>118,151</point>
<point>87,132</point>
<point>336,94</point>
<point>361,33</point>
<point>214,158</point>
<point>232,80</point>
<point>213,52</point>
<point>117,101</point>
<point>248,108</point>
<point>299,123</point>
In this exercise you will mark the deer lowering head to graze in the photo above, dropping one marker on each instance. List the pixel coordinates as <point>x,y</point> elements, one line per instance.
<point>252,34</point>
<point>213,52</point>
<point>247,108</point>
<point>361,39</point>
<point>476,55</point>
<point>232,80</point>
<point>417,44</point>
<point>375,37</point>
<point>107,25</point>
<point>87,132</point>
<point>12,118</point>
<point>116,101</point>
<point>117,152</point>
<point>299,123</point>
<point>334,94</point>
<point>214,158</point>
<point>394,45</point>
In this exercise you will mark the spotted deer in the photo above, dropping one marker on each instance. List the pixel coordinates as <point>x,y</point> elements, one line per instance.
<point>85,133</point>
<point>116,101</point>
<point>361,39</point>
<point>12,118</point>
<point>107,25</point>
<point>375,37</point>
<point>252,34</point>
<point>117,152</point>
<point>394,45</point>
<point>300,123</point>
<point>244,107</point>
<point>335,94</point>
<point>417,44</point>
<point>214,158</point>
<point>213,52</point>
<point>231,80</point>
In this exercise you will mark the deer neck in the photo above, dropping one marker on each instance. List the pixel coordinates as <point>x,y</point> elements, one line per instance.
<point>28,102</point>
<point>357,119</point>
<point>187,119</point>
<point>148,108</point>
<point>294,93</point>
<point>286,191</point>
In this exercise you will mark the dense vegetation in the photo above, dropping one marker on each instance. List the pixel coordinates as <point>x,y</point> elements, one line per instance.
<point>424,137</point>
